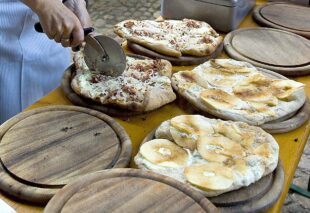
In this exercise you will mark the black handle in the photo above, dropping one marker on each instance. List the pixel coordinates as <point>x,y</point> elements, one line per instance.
<point>39,29</point>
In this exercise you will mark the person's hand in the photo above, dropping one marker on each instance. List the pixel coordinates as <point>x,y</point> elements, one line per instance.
<point>63,23</point>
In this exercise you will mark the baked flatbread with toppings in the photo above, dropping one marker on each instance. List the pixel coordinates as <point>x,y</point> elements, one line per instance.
<point>212,155</point>
<point>235,90</point>
<point>145,85</point>
<point>171,37</point>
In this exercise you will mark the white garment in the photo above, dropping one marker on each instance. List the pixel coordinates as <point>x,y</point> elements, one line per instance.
<point>31,65</point>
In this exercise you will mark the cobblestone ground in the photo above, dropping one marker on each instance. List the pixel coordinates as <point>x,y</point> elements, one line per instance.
<point>107,13</point>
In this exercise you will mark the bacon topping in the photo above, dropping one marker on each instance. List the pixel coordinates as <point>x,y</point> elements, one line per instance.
<point>96,78</point>
<point>129,24</point>
<point>193,24</point>
<point>129,89</point>
<point>206,39</point>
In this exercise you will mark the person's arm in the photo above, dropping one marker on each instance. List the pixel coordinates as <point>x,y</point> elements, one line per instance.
<point>63,23</point>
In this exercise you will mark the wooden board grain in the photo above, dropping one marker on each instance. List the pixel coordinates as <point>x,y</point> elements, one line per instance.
<point>177,61</point>
<point>284,16</point>
<point>128,190</point>
<point>46,148</point>
<point>285,124</point>
<point>273,49</point>
<point>257,197</point>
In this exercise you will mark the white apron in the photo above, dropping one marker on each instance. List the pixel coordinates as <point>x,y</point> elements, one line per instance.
<point>31,65</point>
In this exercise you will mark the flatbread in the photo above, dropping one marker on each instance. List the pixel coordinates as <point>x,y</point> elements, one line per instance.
<point>235,90</point>
<point>145,85</point>
<point>171,37</point>
<point>226,155</point>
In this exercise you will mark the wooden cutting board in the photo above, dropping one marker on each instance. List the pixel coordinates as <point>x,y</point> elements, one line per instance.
<point>257,197</point>
<point>277,50</point>
<point>285,124</point>
<point>128,190</point>
<point>284,16</point>
<point>44,149</point>
<point>177,61</point>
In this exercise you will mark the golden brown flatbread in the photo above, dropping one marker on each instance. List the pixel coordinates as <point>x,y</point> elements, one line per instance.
<point>171,37</point>
<point>213,156</point>
<point>237,91</point>
<point>145,85</point>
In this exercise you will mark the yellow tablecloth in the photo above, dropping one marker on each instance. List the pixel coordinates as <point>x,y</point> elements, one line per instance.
<point>138,127</point>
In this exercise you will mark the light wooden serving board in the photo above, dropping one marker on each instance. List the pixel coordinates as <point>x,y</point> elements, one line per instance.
<point>177,61</point>
<point>284,16</point>
<point>277,50</point>
<point>128,190</point>
<point>44,149</point>
<point>257,197</point>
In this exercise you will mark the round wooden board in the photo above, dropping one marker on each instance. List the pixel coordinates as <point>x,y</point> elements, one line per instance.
<point>257,197</point>
<point>277,50</point>
<point>285,124</point>
<point>291,123</point>
<point>177,61</point>
<point>284,16</point>
<point>44,149</point>
<point>128,190</point>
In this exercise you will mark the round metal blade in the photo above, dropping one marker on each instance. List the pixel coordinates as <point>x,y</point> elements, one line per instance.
<point>109,61</point>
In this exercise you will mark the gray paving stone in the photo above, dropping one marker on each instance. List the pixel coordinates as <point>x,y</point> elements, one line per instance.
<point>106,14</point>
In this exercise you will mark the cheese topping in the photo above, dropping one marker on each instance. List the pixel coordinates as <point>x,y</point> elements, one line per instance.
<point>140,76</point>
<point>164,151</point>
<point>208,174</point>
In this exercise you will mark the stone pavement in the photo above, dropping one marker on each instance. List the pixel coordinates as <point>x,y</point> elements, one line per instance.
<point>107,13</point>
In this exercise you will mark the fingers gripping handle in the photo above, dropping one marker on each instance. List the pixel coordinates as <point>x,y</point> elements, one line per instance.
<point>39,29</point>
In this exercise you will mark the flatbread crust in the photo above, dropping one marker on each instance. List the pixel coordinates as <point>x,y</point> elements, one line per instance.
<point>144,86</point>
<point>171,37</point>
<point>235,90</point>
<point>257,156</point>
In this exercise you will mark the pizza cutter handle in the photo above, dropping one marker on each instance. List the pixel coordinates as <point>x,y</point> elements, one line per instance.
<point>39,29</point>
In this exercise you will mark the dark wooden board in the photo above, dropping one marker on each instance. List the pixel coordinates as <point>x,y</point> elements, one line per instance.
<point>177,61</point>
<point>290,124</point>
<point>128,190</point>
<point>284,16</point>
<point>277,50</point>
<point>44,149</point>
<point>257,197</point>
<point>285,124</point>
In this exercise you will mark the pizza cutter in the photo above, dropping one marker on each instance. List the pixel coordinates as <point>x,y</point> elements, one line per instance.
<point>102,53</point>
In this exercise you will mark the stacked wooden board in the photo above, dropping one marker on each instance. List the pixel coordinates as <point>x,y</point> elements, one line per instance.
<point>284,16</point>
<point>44,149</point>
<point>128,190</point>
